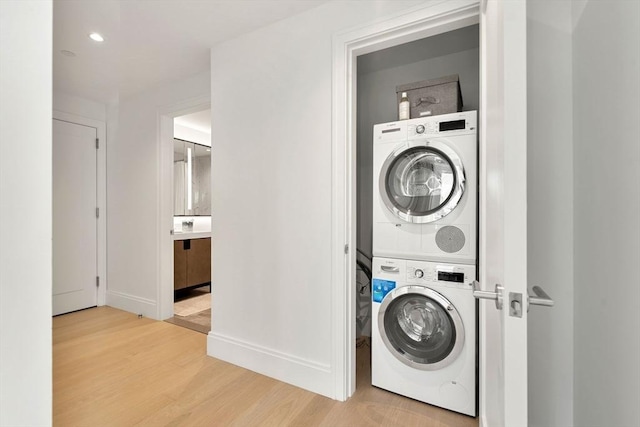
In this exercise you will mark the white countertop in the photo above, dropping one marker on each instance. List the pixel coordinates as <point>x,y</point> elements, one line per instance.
<point>184,235</point>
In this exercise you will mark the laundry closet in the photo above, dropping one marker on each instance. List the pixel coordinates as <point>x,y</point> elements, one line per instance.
<point>436,284</point>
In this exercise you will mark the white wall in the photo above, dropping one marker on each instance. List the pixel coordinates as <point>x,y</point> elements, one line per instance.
<point>79,106</point>
<point>583,244</point>
<point>271,90</point>
<point>550,211</point>
<point>133,193</point>
<point>25,213</point>
<point>606,127</point>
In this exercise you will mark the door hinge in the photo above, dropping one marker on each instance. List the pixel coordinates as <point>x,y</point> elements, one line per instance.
<point>97,212</point>
<point>97,281</point>
<point>97,143</point>
<point>346,249</point>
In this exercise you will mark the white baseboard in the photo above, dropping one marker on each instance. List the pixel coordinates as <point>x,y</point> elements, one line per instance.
<point>293,370</point>
<point>132,304</point>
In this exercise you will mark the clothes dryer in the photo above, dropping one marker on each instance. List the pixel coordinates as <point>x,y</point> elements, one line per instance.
<point>423,342</point>
<point>425,188</point>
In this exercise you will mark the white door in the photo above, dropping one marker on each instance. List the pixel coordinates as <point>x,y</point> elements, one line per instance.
<point>75,224</point>
<point>503,211</point>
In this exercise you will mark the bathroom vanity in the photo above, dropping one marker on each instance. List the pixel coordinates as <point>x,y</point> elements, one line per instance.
<point>191,260</point>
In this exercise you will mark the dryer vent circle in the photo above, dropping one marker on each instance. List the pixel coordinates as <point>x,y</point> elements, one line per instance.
<point>450,239</point>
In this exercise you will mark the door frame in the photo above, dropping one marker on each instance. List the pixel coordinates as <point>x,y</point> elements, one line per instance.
<point>101,194</point>
<point>164,295</point>
<point>431,18</point>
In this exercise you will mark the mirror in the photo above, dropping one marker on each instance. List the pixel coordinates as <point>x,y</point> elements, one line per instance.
<point>191,179</point>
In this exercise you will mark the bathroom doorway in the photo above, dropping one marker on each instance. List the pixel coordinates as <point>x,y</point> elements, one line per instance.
<point>185,270</point>
<point>192,221</point>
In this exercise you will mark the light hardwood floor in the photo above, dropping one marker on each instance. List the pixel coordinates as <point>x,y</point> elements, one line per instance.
<point>112,369</point>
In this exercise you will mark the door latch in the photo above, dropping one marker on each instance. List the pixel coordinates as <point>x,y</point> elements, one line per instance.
<point>515,304</point>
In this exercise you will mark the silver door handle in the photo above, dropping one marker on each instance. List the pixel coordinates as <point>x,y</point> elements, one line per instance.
<point>540,297</point>
<point>496,295</point>
<point>390,269</point>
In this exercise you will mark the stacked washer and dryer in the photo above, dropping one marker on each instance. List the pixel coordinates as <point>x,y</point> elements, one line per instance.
<point>424,259</point>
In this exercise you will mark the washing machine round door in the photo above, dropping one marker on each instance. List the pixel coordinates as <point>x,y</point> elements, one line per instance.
<point>420,327</point>
<point>422,181</point>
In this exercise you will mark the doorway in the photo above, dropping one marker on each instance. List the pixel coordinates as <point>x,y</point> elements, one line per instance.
<point>192,221</point>
<point>425,22</point>
<point>186,204</point>
<point>379,73</point>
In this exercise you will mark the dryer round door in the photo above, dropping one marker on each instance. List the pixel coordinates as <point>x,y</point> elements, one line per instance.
<point>420,327</point>
<point>422,181</point>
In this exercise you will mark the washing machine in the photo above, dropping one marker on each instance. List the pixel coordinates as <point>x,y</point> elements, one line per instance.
<point>425,188</point>
<point>423,342</point>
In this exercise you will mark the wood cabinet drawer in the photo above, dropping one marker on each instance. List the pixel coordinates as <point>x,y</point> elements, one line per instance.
<point>199,262</point>
<point>179,265</point>
<point>192,262</point>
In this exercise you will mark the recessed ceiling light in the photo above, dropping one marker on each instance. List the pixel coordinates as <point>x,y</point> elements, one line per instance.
<point>67,53</point>
<point>96,37</point>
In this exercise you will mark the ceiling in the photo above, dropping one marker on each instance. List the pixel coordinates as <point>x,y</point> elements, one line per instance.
<point>149,43</point>
<point>200,121</point>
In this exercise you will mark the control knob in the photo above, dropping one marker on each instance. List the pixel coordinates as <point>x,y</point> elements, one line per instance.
<point>420,129</point>
<point>419,273</point>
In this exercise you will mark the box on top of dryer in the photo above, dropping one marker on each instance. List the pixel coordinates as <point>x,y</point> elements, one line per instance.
<point>432,97</point>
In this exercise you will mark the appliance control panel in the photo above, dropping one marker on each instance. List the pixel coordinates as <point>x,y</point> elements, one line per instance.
<point>442,125</point>
<point>452,275</point>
